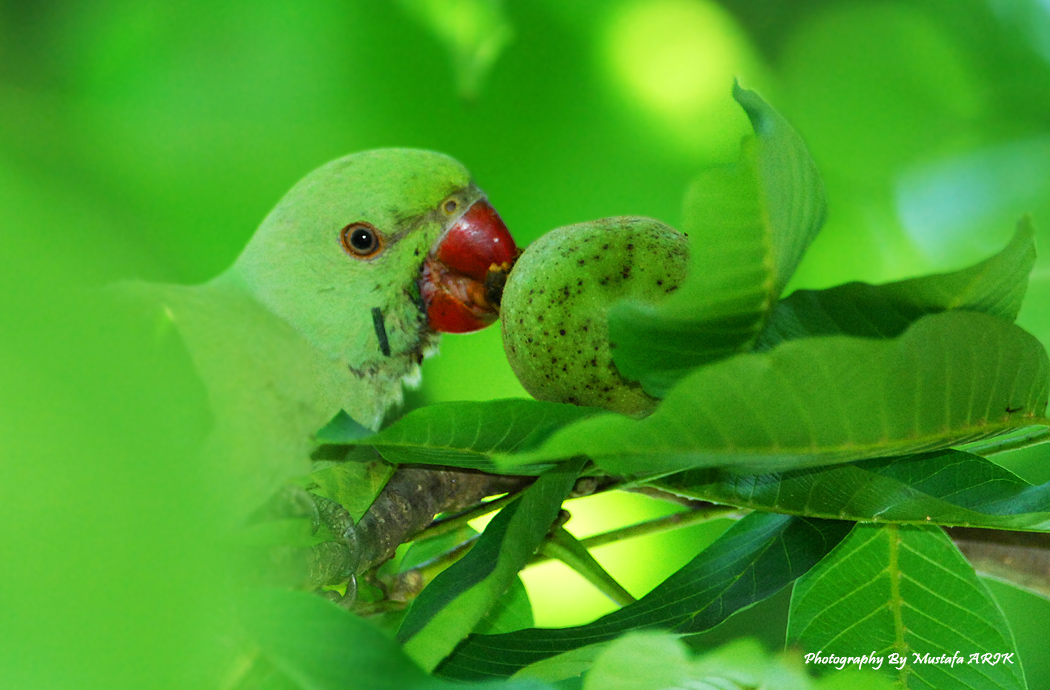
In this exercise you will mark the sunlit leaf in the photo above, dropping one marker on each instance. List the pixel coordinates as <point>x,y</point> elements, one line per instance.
<point>643,661</point>
<point>753,560</point>
<point>950,378</point>
<point>906,590</point>
<point>461,596</point>
<point>562,545</point>
<point>748,227</point>
<point>474,32</point>
<point>423,550</point>
<point>513,611</point>
<point>946,488</point>
<point>995,286</point>
<point>570,665</point>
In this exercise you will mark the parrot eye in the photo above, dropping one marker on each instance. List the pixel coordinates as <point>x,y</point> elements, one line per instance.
<point>361,240</point>
<point>450,206</point>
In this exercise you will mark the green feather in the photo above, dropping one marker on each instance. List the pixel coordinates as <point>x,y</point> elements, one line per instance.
<point>286,337</point>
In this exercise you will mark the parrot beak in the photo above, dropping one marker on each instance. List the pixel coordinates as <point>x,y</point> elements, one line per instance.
<point>463,276</point>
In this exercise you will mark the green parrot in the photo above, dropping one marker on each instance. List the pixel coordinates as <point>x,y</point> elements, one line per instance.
<point>333,304</point>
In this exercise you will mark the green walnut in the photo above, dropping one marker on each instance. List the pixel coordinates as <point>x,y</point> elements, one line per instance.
<point>554,306</point>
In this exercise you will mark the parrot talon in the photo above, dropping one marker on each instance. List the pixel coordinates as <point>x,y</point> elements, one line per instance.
<point>345,601</point>
<point>331,562</point>
<point>336,562</point>
<point>350,538</point>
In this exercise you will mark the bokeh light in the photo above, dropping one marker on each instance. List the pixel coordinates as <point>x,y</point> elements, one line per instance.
<point>562,597</point>
<point>674,59</point>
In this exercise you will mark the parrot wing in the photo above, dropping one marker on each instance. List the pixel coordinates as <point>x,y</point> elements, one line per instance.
<point>269,389</point>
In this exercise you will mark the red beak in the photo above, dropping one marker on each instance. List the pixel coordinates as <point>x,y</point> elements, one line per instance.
<point>455,273</point>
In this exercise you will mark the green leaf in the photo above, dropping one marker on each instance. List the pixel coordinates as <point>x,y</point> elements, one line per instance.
<point>513,611</point>
<point>353,485</point>
<point>567,666</point>
<point>342,429</point>
<point>905,590</point>
<point>641,661</point>
<point>467,434</point>
<point>570,551</point>
<point>748,227</point>
<point>855,679</point>
<point>753,560</point>
<point>316,645</point>
<point>950,378</point>
<point>656,660</point>
<point>474,32</point>
<point>319,646</point>
<point>995,286</point>
<point>945,488</point>
<point>461,596</point>
<point>423,550</point>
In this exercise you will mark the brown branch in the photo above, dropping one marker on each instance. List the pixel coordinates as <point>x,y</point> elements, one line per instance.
<point>411,499</point>
<point>1019,558</point>
<point>416,494</point>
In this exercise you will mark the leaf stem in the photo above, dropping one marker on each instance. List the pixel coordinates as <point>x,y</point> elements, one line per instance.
<point>663,494</point>
<point>567,549</point>
<point>666,523</point>
<point>1001,444</point>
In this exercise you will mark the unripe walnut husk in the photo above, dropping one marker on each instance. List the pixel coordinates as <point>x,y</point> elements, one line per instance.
<point>555,304</point>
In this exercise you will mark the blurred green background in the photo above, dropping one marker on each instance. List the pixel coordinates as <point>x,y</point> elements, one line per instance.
<point>146,139</point>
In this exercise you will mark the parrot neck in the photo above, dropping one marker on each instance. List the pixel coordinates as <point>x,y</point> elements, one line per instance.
<point>368,376</point>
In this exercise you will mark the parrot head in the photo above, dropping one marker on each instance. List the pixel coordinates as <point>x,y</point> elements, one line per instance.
<point>373,254</point>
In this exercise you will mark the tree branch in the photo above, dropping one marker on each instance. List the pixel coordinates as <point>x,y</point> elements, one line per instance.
<point>1019,558</point>
<point>411,499</point>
